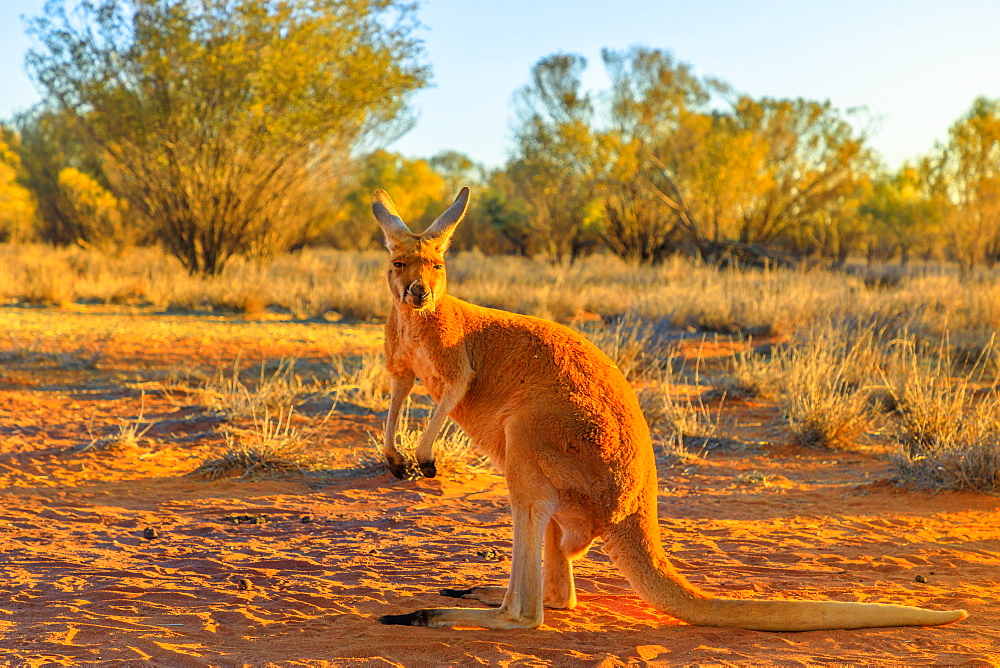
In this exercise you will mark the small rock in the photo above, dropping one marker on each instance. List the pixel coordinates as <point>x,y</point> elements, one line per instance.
<point>921,579</point>
<point>244,584</point>
<point>306,519</point>
<point>149,533</point>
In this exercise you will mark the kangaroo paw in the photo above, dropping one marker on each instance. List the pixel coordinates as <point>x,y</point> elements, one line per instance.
<point>398,470</point>
<point>418,618</point>
<point>457,593</point>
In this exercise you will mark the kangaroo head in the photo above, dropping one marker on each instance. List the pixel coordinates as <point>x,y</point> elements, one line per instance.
<point>416,264</point>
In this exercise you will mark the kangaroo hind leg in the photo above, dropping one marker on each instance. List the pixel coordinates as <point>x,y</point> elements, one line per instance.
<point>522,601</point>
<point>559,591</point>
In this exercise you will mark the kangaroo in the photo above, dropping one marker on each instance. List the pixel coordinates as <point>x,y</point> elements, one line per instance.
<point>557,417</point>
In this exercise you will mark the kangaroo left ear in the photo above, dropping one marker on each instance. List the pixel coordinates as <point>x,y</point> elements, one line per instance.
<point>392,225</point>
<point>443,228</point>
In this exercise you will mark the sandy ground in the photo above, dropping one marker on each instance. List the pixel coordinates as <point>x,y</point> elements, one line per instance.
<point>296,571</point>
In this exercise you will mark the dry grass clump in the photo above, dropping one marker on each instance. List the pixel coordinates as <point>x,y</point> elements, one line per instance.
<point>755,303</point>
<point>260,440</point>
<point>280,390</point>
<point>305,285</point>
<point>947,429</point>
<point>46,282</point>
<point>974,351</point>
<point>755,374</point>
<point>40,350</point>
<point>824,412</point>
<point>250,303</point>
<point>183,381</point>
<point>272,447</point>
<point>591,285</point>
<point>361,380</point>
<point>826,382</point>
<point>269,447</point>
<point>318,283</point>
<point>129,435</point>
<point>309,285</point>
<point>453,451</point>
<point>823,383</point>
<point>677,422</point>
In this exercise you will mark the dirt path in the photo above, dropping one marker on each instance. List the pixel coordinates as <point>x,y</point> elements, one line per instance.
<point>295,572</point>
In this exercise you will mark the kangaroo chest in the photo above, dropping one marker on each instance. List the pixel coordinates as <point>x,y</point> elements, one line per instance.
<point>426,361</point>
<point>436,351</point>
<point>427,370</point>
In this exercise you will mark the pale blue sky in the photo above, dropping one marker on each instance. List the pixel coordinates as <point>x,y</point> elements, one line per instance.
<point>916,64</point>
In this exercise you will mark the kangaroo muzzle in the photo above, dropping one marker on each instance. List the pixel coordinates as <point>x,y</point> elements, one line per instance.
<point>419,293</point>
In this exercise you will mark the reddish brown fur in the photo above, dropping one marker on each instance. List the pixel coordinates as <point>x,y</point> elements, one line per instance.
<point>559,419</point>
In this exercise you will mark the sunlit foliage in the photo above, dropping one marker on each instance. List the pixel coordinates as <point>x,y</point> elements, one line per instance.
<point>223,121</point>
<point>17,205</point>
<point>101,215</point>
<point>970,178</point>
<point>664,161</point>
<point>419,192</point>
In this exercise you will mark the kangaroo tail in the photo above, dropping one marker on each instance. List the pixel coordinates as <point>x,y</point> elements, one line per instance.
<point>636,550</point>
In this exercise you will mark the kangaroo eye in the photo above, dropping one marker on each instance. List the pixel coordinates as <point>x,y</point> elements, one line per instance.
<point>398,265</point>
<point>439,266</point>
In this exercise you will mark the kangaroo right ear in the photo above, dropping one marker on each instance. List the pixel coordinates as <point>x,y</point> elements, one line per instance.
<point>441,229</point>
<point>388,219</point>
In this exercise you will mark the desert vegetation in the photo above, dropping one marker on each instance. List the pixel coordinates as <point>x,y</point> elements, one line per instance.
<point>907,369</point>
<point>224,155</point>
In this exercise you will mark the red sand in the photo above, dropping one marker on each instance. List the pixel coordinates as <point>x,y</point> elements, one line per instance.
<point>82,584</point>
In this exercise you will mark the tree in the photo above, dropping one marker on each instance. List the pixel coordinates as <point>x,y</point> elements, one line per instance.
<point>731,177</point>
<point>552,167</point>
<point>17,206</point>
<point>637,225</point>
<point>500,217</point>
<point>52,141</point>
<point>656,125</point>
<point>223,122</point>
<point>419,192</point>
<point>814,160</point>
<point>99,214</point>
<point>457,169</point>
<point>665,160</point>
<point>969,174</point>
<point>901,213</point>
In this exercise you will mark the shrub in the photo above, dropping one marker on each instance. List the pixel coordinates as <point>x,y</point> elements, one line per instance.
<point>677,421</point>
<point>948,433</point>
<point>631,343</point>
<point>271,447</point>
<point>826,384</point>
<point>362,380</point>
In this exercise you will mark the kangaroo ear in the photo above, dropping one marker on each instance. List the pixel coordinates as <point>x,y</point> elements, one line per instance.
<point>388,219</point>
<point>441,229</point>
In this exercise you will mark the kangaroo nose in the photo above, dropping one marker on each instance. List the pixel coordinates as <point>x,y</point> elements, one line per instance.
<point>418,290</point>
